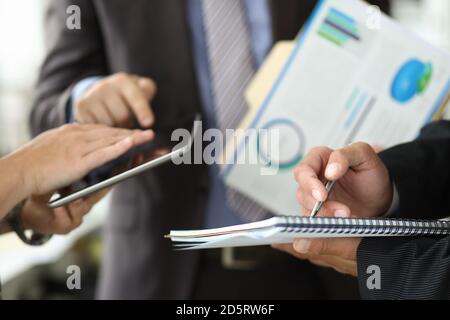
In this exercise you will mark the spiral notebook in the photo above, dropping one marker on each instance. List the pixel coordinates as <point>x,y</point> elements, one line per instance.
<point>284,229</point>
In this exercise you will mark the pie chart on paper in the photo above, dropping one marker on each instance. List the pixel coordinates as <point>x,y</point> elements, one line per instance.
<point>281,141</point>
<point>412,79</point>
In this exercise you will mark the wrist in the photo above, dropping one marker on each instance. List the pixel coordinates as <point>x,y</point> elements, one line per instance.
<point>15,168</point>
<point>390,195</point>
<point>394,203</point>
<point>16,224</point>
<point>78,90</point>
<point>5,227</point>
<point>386,196</point>
<point>27,214</point>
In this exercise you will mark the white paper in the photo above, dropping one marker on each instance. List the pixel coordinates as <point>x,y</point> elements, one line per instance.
<point>269,232</point>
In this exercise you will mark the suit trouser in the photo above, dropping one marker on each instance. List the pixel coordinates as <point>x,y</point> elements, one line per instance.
<point>265,273</point>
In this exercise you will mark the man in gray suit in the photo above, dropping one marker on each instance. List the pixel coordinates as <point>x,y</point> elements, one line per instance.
<point>161,61</point>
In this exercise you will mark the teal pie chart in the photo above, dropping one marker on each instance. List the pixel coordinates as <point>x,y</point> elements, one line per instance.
<point>289,148</point>
<point>412,79</point>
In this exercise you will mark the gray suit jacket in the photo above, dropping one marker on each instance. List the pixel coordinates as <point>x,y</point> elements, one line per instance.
<point>149,38</point>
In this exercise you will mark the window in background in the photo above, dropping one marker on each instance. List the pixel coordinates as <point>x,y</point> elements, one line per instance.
<point>21,51</point>
<point>428,18</point>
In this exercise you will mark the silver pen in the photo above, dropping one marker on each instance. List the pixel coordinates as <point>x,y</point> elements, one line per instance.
<point>329,186</point>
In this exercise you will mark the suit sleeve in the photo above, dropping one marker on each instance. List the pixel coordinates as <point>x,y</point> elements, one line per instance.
<point>71,55</point>
<point>421,173</point>
<point>414,268</point>
<point>417,268</point>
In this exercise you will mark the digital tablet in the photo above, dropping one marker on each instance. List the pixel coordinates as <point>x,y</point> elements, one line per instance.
<point>134,162</point>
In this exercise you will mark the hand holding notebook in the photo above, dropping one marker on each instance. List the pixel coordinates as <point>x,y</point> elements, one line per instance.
<point>362,185</point>
<point>350,108</point>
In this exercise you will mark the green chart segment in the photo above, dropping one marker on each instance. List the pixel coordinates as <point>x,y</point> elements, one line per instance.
<point>339,28</point>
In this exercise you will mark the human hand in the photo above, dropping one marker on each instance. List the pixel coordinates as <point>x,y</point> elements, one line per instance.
<point>339,254</point>
<point>363,186</point>
<point>37,216</point>
<point>113,101</point>
<point>363,189</point>
<point>59,157</point>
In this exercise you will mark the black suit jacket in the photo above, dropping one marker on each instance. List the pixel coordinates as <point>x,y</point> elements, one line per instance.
<point>150,38</point>
<point>417,268</point>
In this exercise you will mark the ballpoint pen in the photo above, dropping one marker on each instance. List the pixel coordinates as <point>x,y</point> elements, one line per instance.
<point>329,186</point>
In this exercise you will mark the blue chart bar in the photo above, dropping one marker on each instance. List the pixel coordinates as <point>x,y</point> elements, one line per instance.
<point>342,29</point>
<point>352,98</point>
<point>356,109</point>
<point>339,28</point>
<point>342,15</point>
<point>362,118</point>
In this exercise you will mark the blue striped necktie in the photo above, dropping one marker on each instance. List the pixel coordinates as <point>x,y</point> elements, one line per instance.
<point>231,68</point>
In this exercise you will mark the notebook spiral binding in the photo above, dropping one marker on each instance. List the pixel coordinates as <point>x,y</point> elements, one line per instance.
<point>382,227</point>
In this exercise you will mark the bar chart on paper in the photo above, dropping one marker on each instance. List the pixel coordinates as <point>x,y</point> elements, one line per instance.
<point>339,28</point>
<point>346,32</point>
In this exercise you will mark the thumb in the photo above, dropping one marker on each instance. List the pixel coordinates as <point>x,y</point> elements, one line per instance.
<point>358,156</point>
<point>342,247</point>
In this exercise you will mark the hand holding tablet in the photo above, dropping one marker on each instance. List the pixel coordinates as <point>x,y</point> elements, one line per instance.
<point>148,154</point>
<point>58,157</point>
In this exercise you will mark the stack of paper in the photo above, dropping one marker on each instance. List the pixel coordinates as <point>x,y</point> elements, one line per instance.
<point>284,229</point>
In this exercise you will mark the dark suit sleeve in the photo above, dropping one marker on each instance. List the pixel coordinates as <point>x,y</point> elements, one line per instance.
<point>71,55</point>
<point>421,172</point>
<point>414,268</point>
<point>417,268</point>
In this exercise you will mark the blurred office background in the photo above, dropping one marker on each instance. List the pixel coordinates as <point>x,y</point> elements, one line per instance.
<point>33,273</point>
<point>28,272</point>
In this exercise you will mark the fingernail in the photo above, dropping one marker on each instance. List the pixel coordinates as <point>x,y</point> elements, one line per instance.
<point>317,195</point>
<point>149,133</point>
<point>332,170</point>
<point>302,245</point>
<point>341,214</point>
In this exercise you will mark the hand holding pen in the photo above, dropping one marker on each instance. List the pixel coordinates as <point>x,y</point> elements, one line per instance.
<point>360,184</point>
<point>319,204</point>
